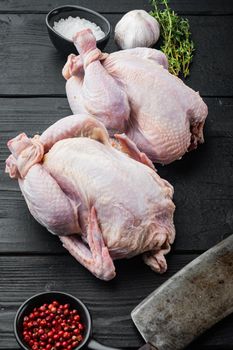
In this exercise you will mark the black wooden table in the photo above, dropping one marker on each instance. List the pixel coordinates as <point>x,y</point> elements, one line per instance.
<point>32,96</point>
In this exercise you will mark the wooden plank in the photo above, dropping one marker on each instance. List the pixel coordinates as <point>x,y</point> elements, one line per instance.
<point>110,303</point>
<point>31,65</point>
<point>203,179</point>
<point>182,6</point>
<point>18,229</point>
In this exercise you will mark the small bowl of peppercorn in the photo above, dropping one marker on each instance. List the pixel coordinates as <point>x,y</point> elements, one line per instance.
<point>51,321</point>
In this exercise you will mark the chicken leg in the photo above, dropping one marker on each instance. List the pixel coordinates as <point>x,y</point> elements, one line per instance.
<point>57,212</point>
<point>96,92</point>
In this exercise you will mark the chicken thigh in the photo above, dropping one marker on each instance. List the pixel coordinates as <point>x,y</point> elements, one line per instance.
<point>132,91</point>
<point>103,203</point>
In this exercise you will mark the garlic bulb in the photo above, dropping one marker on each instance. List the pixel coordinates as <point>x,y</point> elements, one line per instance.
<point>136,28</point>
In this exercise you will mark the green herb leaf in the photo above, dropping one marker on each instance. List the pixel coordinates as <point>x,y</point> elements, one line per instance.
<point>175,33</point>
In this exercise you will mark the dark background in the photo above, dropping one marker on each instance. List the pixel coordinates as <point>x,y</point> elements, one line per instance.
<point>32,96</point>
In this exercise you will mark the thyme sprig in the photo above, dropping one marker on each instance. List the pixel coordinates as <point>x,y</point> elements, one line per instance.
<point>175,33</point>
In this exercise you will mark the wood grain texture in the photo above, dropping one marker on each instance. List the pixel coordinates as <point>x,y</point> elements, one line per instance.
<point>110,303</point>
<point>203,179</point>
<point>31,65</point>
<point>182,6</point>
<point>31,259</point>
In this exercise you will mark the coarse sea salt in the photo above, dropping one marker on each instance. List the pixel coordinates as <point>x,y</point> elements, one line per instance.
<point>71,25</point>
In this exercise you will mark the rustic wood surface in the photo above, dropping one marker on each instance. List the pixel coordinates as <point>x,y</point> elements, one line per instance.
<point>209,7</point>
<point>31,66</point>
<point>32,96</point>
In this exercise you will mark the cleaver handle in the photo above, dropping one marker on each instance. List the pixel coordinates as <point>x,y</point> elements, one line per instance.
<point>148,346</point>
<point>95,345</point>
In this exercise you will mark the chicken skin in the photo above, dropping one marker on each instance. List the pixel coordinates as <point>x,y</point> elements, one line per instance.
<point>132,91</point>
<point>103,199</point>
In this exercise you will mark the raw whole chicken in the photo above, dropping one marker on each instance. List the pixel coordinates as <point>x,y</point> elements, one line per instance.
<point>103,203</point>
<point>131,91</point>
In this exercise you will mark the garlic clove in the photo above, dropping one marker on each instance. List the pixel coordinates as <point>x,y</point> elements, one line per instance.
<point>136,29</point>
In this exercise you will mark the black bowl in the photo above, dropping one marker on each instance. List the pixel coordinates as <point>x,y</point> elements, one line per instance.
<point>47,297</point>
<point>66,46</point>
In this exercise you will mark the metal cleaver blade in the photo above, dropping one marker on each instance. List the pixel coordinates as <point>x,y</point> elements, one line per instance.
<point>190,302</point>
